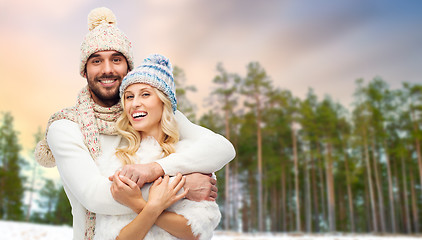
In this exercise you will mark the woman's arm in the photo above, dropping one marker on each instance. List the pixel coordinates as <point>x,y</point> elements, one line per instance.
<point>161,196</point>
<point>128,193</point>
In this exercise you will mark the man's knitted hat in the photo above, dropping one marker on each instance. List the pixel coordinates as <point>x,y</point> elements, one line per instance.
<point>104,35</point>
<point>156,71</point>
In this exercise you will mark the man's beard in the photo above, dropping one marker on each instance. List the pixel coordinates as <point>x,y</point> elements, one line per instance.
<point>102,92</point>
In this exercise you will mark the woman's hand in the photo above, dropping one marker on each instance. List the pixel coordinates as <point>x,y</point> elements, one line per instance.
<point>163,194</point>
<point>127,192</point>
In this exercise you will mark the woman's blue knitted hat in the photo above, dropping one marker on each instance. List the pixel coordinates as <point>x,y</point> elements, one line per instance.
<point>156,71</point>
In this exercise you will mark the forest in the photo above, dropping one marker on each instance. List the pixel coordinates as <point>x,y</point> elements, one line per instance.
<point>302,165</point>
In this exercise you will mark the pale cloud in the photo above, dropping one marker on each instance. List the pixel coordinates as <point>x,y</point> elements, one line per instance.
<point>47,8</point>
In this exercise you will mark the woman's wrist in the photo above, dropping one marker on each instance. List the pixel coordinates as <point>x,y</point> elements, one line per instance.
<point>153,209</point>
<point>139,205</point>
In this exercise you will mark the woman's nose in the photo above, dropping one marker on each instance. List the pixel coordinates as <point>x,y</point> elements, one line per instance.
<point>137,102</point>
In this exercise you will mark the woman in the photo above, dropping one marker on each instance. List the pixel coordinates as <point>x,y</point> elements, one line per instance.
<point>149,132</point>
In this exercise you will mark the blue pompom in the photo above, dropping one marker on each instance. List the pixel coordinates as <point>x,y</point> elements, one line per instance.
<point>159,59</point>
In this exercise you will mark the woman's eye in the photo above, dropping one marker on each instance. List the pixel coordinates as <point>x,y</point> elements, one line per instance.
<point>145,94</point>
<point>129,97</point>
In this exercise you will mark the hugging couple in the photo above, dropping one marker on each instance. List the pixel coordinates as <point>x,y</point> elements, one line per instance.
<point>131,164</point>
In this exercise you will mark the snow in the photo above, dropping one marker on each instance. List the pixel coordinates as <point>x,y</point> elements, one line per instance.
<point>28,231</point>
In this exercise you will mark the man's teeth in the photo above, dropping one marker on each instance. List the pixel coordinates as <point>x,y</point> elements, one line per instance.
<point>139,114</point>
<point>107,81</point>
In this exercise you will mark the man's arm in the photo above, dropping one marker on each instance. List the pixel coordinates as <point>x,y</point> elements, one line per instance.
<point>78,170</point>
<point>208,152</point>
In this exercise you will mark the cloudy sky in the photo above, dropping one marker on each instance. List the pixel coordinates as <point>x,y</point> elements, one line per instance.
<point>323,44</point>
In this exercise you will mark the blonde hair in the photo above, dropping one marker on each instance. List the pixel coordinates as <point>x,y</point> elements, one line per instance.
<point>127,155</point>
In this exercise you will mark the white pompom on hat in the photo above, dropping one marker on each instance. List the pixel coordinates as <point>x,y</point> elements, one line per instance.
<point>104,35</point>
<point>156,71</point>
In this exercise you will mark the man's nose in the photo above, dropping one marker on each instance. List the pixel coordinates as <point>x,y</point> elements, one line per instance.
<point>108,67</point>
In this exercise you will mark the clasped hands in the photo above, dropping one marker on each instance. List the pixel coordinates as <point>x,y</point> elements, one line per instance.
<point>201,186</point>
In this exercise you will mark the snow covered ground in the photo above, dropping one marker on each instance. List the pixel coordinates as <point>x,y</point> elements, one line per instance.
<point>27,231</point>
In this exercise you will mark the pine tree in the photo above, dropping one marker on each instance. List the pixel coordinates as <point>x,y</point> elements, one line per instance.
<point>11,180</point>
<point>256,86</point>
<point>63,210</point>
<point>225,93</point>
<point>183,103</point>
<point>361,118</point>
<point>48,200</point>
<point>36,174</point>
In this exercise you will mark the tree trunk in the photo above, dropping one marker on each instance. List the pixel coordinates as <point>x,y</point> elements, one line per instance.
<point>322,185</point>
<point>227,198</point>
<point>259,142</point>
<point>296,167</point>
<point>245,216</point>
<point>31,192</point>
<point>368,213</point>
<point>342,222</point>
<point>315,194</point>
<point>253,203</point>
<point>265,196</point>
<point>274,208</point>
<point>227,177</point>
<point>308,205</point>
<point>390,190</point>
<point>290,191</point>
<point>417,145</point>
<point>349,192</point>
<point>236,194</point>
<point>406,201</point>
<point>379,188</point>
<point>395,167</point>
<point>330,189</point>
<point>414,204</point>
<point>283,197</point>
<point>371,188</point>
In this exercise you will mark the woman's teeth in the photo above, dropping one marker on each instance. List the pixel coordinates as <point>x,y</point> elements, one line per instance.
<point>139,114</point>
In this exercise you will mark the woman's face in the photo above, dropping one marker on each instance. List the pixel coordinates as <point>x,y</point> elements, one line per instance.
<point>144,109</point>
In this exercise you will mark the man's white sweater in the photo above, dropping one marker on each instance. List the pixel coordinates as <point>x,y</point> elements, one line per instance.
<point>87,188</point>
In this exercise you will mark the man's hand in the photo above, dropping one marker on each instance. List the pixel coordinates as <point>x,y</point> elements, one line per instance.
<point>201,187</point>
<point>142,173</point>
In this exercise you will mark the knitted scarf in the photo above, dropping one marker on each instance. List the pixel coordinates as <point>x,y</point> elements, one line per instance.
<point>93,120</point>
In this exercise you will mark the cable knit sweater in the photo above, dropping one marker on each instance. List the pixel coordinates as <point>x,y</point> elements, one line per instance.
<point>203,217</point>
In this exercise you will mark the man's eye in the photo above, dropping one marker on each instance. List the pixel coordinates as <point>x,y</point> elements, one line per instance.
<point>96,61</point>
<point>116,60</point>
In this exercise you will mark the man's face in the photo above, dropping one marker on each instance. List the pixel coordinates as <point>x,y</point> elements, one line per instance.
<point>104,73</point>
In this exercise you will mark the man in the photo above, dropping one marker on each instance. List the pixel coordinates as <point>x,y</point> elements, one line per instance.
<point>76,137</point>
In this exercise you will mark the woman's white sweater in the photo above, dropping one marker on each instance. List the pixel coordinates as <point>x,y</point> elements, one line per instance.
<point>203,217</point>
